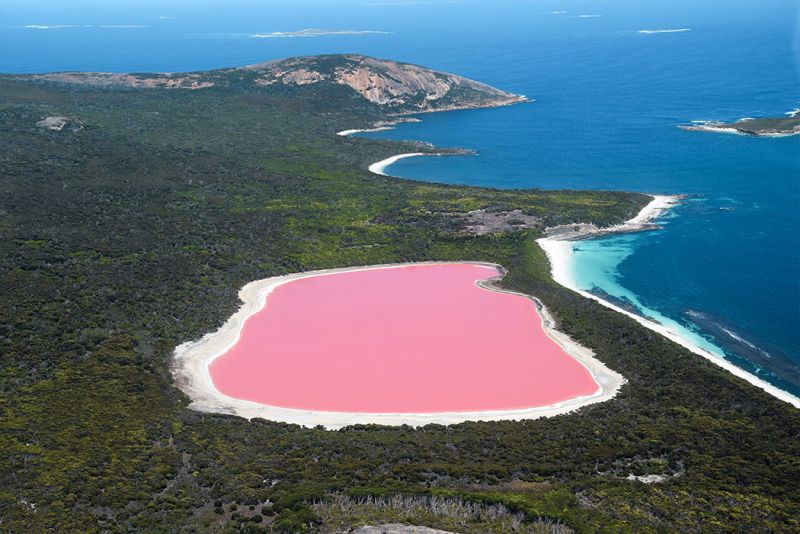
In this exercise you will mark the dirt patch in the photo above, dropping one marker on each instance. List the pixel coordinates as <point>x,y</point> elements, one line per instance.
<point>482,222</point>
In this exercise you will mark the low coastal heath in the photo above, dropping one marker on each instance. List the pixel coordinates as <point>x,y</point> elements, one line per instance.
<point>559,249</point>
<point>422,343</point>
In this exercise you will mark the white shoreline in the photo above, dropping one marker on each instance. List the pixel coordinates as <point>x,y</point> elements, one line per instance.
<point>727,129</point>
<point>379,126</point>
<point>347,133</point>
<point>379,167</point>
<point>191,361</point>
<point>559,252</point>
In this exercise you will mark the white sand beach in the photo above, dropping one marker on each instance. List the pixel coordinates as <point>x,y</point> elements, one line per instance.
<point>347,133</point>
<point>559,251</point>
<point>379,126</point>
<point>380,166</point>
<point>191,361</point>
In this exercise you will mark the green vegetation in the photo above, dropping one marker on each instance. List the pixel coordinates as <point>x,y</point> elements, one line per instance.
<point>769,125</point>
<point>765,126</point>
<point>339,511</point>
<point>125,238</point>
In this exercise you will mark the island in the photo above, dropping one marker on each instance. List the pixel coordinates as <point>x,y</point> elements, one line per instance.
<point>135,207</point>
<point>761,127</point>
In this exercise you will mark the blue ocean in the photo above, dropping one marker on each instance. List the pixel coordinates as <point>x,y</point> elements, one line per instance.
<point>611,88</point>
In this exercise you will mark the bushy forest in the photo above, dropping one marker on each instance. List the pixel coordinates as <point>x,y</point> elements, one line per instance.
<point>132,229</point>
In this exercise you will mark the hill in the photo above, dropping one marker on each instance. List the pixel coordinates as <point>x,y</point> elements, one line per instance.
<point>393,86</point>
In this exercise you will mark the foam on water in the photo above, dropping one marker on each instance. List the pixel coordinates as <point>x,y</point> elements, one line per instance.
<point>671,30</point>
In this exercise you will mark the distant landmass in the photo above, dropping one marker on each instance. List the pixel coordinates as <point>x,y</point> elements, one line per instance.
<point>317,32</point>
<point>399,88</point>
<point>761,127</point>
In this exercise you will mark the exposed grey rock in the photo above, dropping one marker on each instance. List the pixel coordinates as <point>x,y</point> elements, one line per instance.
<point>52,123</point>
<point>482,222</point>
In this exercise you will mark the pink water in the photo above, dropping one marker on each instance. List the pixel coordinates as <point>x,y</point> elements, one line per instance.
<point>420,338</point>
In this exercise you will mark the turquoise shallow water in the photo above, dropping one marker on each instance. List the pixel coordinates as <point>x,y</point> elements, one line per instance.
<point>726,266</point>
<point>596,268</point>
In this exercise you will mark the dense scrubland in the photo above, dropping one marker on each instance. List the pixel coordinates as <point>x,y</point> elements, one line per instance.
<point>132,232</point>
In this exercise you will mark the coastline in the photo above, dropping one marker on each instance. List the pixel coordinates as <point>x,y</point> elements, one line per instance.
<point>408,116</point>
<point>191,361</point>
<point>731,128</point>
<point>379,167</point>
<point>348,133</point>
<point>379,126</point>
<point>711,128</point>
<point>558,247</point>
<point>642,221</point>
<point>500,103</point>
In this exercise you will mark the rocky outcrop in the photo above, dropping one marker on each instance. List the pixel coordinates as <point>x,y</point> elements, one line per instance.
<point>763,127</point>
<point>481,222</point>
<point>56,124</point>
<point>390,84</point>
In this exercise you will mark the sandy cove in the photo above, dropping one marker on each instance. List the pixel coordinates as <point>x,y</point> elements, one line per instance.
<point>379,126</point>
<point>380,166</point>
<point>558,247</point>
<point>191,361</point>
<point>348,133</point>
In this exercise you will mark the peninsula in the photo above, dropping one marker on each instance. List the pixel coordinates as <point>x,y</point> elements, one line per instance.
<point>397,88</point>
<point>761,127</point>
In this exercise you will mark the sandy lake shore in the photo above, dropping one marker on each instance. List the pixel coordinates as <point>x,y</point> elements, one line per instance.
<point>191,361</point>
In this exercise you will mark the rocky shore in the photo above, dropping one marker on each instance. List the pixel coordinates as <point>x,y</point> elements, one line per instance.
<point>764,127</point>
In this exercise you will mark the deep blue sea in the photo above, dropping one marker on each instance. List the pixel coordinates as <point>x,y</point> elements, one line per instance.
<point>608,102</point>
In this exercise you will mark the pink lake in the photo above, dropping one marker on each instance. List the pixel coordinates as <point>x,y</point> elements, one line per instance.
<point>409,339</point>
